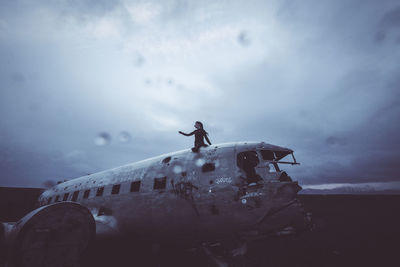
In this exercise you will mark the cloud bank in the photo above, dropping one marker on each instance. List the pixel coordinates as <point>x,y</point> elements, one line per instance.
<point>90,85</point>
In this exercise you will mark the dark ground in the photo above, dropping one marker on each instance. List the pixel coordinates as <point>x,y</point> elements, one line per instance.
<point>351,230</point>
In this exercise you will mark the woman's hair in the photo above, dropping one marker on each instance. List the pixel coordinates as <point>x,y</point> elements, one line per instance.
<point>201,124</point>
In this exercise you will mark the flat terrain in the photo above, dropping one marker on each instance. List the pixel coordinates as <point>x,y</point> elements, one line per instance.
<point>350,230</point>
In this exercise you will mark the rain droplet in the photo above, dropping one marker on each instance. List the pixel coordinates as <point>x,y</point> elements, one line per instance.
<point>102,139</point>
<point>200,162</point>
<point>244,39</point>
<point>124,137</point>
<point>139,60</point>
<point>18,77</point>
<point>49,183</point>
<point>177,169</point>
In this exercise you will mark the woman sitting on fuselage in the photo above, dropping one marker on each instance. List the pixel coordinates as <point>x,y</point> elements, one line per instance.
<point>199,135</point>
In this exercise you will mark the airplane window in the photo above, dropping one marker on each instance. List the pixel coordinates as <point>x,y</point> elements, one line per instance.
<point>160,183</point>
<point>115,189</point>
<point>65,196</point>
<point>75,196</point>
<point>49,200</point>
<point>135,186</point>
<point>86,193</point>
<point>208,167</point>
<point>57,198</point>
<point>100,191</point>
<point>267,155</point>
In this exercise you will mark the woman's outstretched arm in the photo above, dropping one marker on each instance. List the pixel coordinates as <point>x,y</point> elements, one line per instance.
<point>192,133</point>
<point>208,140</point>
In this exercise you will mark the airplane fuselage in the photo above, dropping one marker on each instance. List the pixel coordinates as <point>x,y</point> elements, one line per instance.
<point>221,191</point>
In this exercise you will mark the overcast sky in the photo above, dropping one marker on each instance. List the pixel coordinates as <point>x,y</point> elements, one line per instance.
<point>90,85</point>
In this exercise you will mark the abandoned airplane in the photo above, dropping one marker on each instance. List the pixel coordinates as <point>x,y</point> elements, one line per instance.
<point>234,190</point>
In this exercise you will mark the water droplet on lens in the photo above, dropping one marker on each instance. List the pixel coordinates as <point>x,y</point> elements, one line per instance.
<point>124,137</point>
<point>139,60</point>
<point>49,183</point>
<point>102,139</point>
<point>244,39</point>
<point>200,162</point>
<point>177,169</point>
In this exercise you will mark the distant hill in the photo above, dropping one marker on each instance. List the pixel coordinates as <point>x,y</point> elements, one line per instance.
<point>367,190</point>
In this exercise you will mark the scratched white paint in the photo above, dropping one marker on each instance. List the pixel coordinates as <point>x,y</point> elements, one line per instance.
<point>252,194</point>
<point>224,180</point>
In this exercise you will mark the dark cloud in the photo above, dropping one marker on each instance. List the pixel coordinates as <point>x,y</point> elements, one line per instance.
<point>310,79</point>
<point>391,19</point>
<point>18,77</point>
<point>389,25</point>
<point>83,9</point>
<point>23,167</point>
<point>380,36</point>
<point>334,140</point>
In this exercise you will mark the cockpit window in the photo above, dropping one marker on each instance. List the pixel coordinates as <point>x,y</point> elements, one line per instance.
<point>281,154</point>
<point>247,158</point>
<point>247,161</point>
<point>267,155</point>
<point>274,155</point>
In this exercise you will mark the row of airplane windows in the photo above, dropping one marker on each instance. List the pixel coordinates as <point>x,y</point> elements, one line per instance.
<point>159,183</point>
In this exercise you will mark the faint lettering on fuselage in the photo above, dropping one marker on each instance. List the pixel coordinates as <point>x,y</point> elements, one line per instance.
<point>223,180</point>
<point>252,194</point>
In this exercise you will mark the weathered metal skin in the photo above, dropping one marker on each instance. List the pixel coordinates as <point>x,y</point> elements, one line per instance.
<point>206,196</point>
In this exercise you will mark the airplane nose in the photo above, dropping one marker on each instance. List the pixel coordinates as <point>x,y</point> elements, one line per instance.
<point>288,190</point>
<point>285,209</point>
